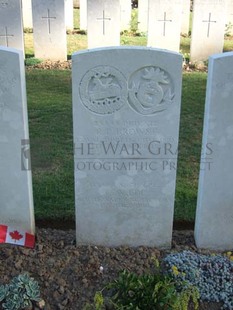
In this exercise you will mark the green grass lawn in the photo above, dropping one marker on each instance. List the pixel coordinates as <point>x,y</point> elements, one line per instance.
<point>50,121</point>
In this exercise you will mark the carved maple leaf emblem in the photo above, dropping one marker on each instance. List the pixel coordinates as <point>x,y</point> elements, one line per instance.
<point>15,235</point>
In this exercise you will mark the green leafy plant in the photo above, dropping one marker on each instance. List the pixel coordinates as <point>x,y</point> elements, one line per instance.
<point>32,61</point>
<point>148,291</point>
<point>22,292</point>
<point>228,29</point>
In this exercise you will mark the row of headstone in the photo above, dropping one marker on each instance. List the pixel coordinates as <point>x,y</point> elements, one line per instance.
<point>126,111</point>
<point>103,24</point>
<point>49,28</point>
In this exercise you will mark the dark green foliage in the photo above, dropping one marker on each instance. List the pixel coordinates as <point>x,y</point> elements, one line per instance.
<point>20,293</point>
<point>147,291</point>
<point>32,61</point>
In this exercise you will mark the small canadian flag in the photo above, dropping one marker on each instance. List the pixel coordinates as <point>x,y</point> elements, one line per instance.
<point>15,236</point>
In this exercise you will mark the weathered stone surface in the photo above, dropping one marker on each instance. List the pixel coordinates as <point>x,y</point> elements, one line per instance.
<point>214,215</point>
<point>126,110</point>
<point>16,208</point>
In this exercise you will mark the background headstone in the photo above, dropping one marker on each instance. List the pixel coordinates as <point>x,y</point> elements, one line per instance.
<point>185,17</point>
<point>83,14</point>
<point>69,14</point>
<point>103,23</point>
<point>126,110</point>
<point>27,13</point>
<point>164,24</point>
<point>76,3</point>
<point>143,15</point>
<point>49,29</point>
<point>11,25</point>
<point>214,215</point>
<point>208,28</point>
<point>15,184</point>
<point>125,7</point>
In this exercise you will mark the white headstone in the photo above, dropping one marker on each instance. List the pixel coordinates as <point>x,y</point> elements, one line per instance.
<point>49,29</point>
<point>185,17</point>
<point>83,14</point>
<point>76,3</point>
<point>125,6</point>
<point>214,215</point>
<point>27,13</point>
<point>16,183</point>
<point>103,23</point>
<point>142,15</point>
<point>208,27</point>
<point>69,14</point>
<point>164,25</point>
<point>126,110</point>
<point>11,26</point>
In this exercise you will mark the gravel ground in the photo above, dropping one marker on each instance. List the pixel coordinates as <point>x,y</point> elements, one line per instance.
<point>69,276</point>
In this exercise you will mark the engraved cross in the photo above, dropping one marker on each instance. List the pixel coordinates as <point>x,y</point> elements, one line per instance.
<point>104,19</point>
<point>6,36</point>
<point>209,21</point>
<point>48,17</point>
<point>164,20</point>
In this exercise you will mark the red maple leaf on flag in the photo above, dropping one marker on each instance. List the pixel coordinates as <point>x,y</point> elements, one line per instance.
<point>15,235</point>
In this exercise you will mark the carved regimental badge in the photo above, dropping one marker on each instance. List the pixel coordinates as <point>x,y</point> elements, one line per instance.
<point>103,90</point>
<point>150,90</point>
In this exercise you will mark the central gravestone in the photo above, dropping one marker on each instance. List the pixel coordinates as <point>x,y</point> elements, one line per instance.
<point>126,110</point>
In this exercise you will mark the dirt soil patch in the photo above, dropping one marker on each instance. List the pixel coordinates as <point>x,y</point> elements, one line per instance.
<point>69,275</point>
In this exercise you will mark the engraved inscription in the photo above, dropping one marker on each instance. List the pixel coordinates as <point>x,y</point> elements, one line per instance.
<point>104,19</point>
<point>103,90</point>
<point>150,90</point>
<point>209,21</point>
<point>164,20</point>
<point>49,18</point>
<point>6,36</point>
<point>7,4</point>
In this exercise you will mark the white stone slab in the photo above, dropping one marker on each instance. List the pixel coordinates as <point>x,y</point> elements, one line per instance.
<point>69,14</point>
<point>143,15</point>
<point>164,25</point>
<point>185,17</point>
<point>27,13</point>
<point>103,23</point>
<point>49,29</point>
<point>83,14</point>
<point>208,27</point>
<point>125,6</point>
<point>16,184</point>
<point>214,215</point>
<point>126,110</point>
<point>11,26</point>
<point>76,3</point>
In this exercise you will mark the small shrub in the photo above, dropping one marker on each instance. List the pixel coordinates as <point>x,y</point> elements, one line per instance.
<point>22,292</point>
<point>147,291</point>
<point>228,29</point>
<point>28,30</point>
<point>32,61</point>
